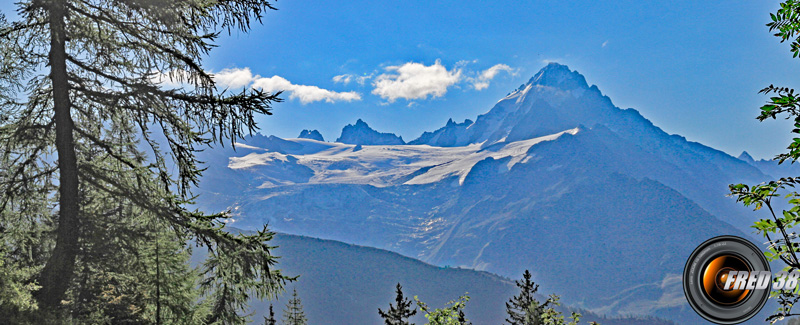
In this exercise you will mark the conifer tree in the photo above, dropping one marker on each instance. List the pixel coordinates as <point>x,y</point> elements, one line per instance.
<point>271,319</point>
<point>293,314</point>
<point>399,313</point>
<point>524,309</point>
<point>80,81</point>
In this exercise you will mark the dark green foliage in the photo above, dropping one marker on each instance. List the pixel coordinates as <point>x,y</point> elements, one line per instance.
<point>293,314</point>
<point>787,24</point>
<point>524,309</point>
<point>99,234</point>
<point>398,313</point>
<point>776,228</point>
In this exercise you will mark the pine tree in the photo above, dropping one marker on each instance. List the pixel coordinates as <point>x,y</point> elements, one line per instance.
<point>271,319</point>
<point>400,312</point>
<point>524,309</point>
<point>293,314</point>
<point>133,266</point>
<point>101,91</point>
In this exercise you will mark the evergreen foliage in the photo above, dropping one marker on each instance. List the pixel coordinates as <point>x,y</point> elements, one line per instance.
<point>93,211</point>
<point>293,314</point>
<point>524,309</point>
<point>399,313</point>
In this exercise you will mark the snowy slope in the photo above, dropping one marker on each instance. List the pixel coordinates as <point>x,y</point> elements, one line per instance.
<point>338,163</point>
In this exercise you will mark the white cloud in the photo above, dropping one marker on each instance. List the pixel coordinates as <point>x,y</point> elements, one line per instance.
<point>228,78</point>
<point>415,81</point>
<point>362,79</point>
<point>343,78</point>
<point>464,63</point>
<point>604,44</point>
<point>233,78</point>
<point>306,94</point>
<point>483,79</point>
<point>348,78</point>
<point>490,73</point>
<point>480,85</point>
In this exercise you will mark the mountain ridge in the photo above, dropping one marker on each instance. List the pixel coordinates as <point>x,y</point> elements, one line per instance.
<point>361,133</point>
<point>362,279</point>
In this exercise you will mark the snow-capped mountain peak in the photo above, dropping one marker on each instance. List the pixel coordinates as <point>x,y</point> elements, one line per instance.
<point>558,76</point>
<point>555,99</point>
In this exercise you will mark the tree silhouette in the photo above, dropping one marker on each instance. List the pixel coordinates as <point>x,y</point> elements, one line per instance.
<point>400,312</point>
<point>271,320</point>
<point>524,309</point>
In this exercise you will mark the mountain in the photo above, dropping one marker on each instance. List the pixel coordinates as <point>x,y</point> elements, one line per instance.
<point>600,204</point>
<point>771,167</point>
<point>746,157</point>
<point>448,136</point>
<point>311,134</point>
<point>361,133</point>
<point>346,284</point>
<point>553,100</point>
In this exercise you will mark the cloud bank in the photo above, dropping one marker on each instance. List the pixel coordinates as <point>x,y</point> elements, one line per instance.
<point>306,94</point>
<point>415,81</point>
<point>409,81</point>
<point>236,78</point>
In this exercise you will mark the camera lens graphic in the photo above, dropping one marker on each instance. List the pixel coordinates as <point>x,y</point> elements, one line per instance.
<point>709,268</point>
<point>717,273</point>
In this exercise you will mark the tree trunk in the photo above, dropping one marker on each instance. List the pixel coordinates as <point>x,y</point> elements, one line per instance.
<point>58,272</point>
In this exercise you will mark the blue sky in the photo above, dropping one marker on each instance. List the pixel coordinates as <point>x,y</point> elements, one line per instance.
<point>692,67</point>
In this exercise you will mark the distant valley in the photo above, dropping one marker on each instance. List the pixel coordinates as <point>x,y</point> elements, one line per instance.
<point>346,284</point>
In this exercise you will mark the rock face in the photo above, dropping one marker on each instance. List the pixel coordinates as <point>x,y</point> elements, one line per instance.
<point>312,134</point>
<point>554,178</point>
<point>361,133</point>
<point>448,136</point>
